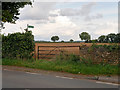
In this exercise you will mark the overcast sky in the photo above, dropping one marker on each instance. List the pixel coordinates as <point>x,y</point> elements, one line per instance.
<point>67,19</point>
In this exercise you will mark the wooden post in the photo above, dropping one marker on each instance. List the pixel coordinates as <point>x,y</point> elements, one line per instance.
<point>79,50</point>
<point>38,53</point>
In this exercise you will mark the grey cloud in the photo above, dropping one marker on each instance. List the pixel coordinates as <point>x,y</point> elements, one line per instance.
<point>41,22</point>
<point>69,12</point>
<point>40,11</point>
<point>84,11</point>
<point>53,15</point>
<point>52,21</point>
<point>97,16</point>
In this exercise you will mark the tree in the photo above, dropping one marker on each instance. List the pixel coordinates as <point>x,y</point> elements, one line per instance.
<point>54,38</point>
<point>111,37</point>
<point>84,36</point>
<point>10,11</point>
<point>62,41</point>
<point>94,41</point>
<point>117,38</point>
<point>101,39</point>
<point>71,40</point>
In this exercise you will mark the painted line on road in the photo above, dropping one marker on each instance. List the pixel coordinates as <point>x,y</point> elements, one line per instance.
<point>25,72</point>
<point>32,73</point>
<point>7,70</point>
<point>107,83</point>
<point>64,77</point>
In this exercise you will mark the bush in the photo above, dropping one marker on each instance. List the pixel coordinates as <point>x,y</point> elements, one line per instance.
<point>18,45</point>
<point>68,57</point>
<point>101,53</point>
<point>110,48</point>
<point>86,61</point>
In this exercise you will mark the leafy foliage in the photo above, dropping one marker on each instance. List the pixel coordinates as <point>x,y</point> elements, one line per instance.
<point>110,38</point>
<point>84,36</point>
<point>10,10</point>
<point>110,48</point>
<point>105,54</point>
<point>71,40</point>
<point>68,57</point>
<point>62,41</point>
<point>18,45</point>
<point>54,38</point>
<point>102,38</point>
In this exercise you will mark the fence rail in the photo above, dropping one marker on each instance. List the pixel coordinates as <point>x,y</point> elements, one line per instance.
<point>45,53</point>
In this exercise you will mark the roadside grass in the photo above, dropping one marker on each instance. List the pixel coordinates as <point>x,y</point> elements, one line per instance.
<point>65,66</point>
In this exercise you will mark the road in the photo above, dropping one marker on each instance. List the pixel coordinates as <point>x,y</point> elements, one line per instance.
<point>18,79</point>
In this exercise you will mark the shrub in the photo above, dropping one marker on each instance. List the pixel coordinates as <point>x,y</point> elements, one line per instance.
<point>18,45</point>
<point>110,48</point>
<point>68,57</point>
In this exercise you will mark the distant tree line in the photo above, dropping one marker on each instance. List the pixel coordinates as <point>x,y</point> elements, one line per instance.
<point>110,38</point>
<point>86,37</point>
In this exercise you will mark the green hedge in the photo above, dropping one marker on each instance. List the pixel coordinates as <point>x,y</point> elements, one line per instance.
<point>18,45</point>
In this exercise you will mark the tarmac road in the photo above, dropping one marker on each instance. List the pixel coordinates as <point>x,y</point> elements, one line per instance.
<point>19,79</point>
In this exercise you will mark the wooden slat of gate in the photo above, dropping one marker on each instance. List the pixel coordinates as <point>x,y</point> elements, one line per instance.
<point>54,47</point>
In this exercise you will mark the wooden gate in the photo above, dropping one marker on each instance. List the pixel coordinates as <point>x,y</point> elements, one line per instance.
<point>49,52</point>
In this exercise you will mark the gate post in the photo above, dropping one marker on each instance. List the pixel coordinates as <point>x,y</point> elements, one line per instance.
<point>38,53</point>
<point>79,50</point>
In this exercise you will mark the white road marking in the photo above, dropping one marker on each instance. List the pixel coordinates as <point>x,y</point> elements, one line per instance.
<point>4,69</point>
<point>33,73</point>
<point>7,70</point>
<point>64,77</point>
<point>107,83</point>
<point>25,72</point>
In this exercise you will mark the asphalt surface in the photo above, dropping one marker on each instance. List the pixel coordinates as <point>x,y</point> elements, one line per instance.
<point>18,79</point>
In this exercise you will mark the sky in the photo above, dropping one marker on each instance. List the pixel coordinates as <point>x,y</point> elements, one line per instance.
<point>67,20</point>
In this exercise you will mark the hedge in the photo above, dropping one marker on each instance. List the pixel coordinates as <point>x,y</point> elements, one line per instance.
<point>18,45</point>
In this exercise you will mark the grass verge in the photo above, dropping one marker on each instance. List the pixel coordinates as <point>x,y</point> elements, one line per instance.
<point>65,66</point>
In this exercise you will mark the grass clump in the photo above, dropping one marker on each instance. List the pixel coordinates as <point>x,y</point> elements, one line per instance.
<point>71,66</point>
<point>68,57</point>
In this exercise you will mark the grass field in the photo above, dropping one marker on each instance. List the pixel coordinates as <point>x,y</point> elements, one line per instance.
<point>65,66</point>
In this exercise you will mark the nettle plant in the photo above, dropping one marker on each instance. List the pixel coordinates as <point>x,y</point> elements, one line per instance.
<point>18,45</point>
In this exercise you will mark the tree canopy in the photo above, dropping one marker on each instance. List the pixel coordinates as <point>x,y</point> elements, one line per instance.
<point>84,36</point>
<point>110,38</point>
<point>10,10</point>
<point>117,38</point>
<point>102,38</point>
<point>54,38</point>
<point>71,40</point>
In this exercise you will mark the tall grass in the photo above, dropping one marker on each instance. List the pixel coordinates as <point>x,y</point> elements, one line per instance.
<point>71,66</point>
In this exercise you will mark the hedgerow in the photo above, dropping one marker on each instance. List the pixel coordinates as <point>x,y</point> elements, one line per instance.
<point>18,45</point>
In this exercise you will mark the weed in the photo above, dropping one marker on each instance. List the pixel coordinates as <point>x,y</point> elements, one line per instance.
<point>84,67</point>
